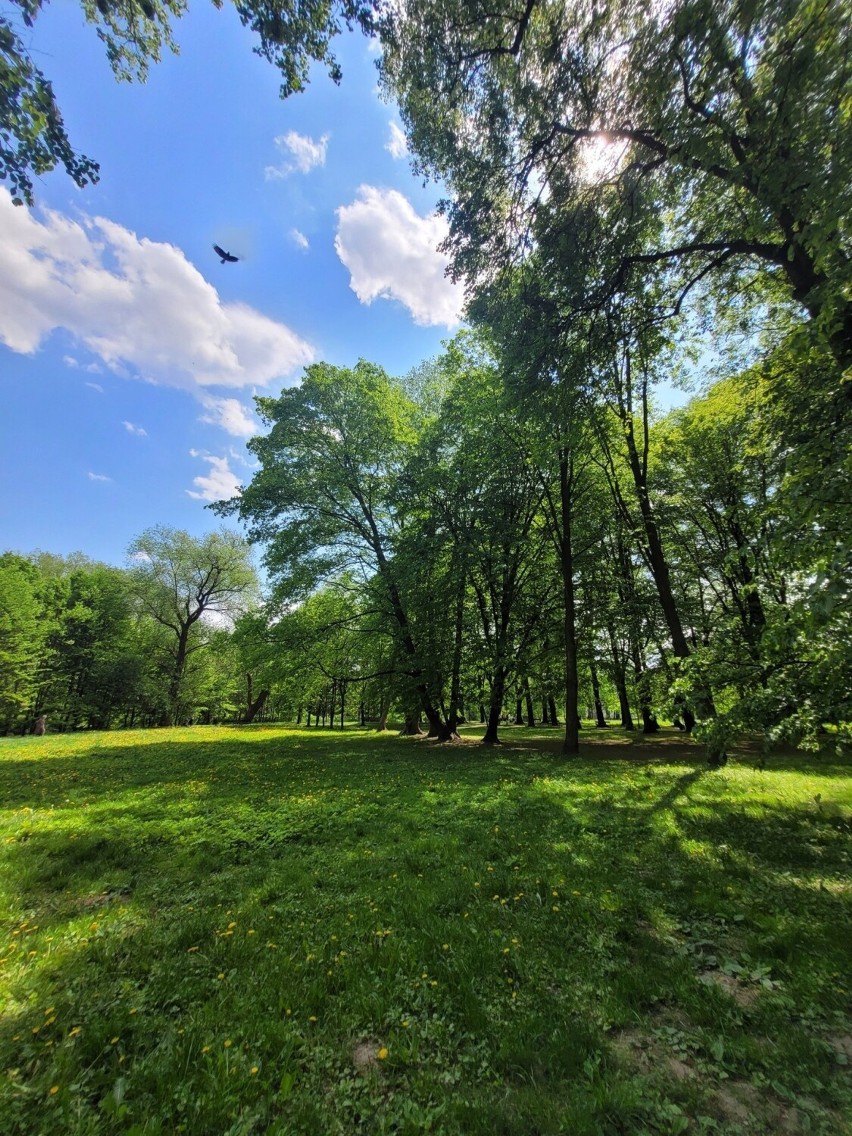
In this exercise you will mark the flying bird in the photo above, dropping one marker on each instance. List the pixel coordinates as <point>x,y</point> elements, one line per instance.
<point>226,256</point>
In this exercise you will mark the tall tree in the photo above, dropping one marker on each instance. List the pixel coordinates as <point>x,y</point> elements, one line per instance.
<point>487,494</point>
<point>178,580</point>
<point>323,500</point>
<point>700,140</point>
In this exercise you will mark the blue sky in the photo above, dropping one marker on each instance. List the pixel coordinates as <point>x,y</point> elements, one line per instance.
<point>128,354</point>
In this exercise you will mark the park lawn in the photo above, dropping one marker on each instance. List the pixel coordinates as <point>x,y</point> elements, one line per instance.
<point>237,930</point>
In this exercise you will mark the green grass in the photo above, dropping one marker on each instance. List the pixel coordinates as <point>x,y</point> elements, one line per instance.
<point>218,930</point>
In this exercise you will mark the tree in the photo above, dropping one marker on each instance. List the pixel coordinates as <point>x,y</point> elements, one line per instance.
<point>484,496</point>
<point>93,648</point>
<point>179,580</point>
<point>22,634</point>
<point>323,501</point>
<point>702,141</point>
<point>33,138</point>
<point>771,582</point>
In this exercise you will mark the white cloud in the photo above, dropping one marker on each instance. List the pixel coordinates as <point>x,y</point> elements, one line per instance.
<point>139,431</point>
<point>301,154</point>
<point>98,477</point>
<point>219,484</point>
<point>96,387</point>
<point>231,415</point>
<point>138,305</point>
<point>391,252</point>
<point>300,239</point>
<point>396,143</point>
<point>76,365</point>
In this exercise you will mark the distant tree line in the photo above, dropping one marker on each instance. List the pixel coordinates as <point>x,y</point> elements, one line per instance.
<point>93,646</point>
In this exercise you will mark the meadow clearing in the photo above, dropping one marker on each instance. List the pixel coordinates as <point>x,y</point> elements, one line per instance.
<point>269,930</point>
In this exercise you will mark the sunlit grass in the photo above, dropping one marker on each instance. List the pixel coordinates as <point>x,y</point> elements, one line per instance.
<point>216,930</point>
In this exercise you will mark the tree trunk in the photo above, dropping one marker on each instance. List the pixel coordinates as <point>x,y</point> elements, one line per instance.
<point>453,715</point>
<point>650,725</point>
<point>384,707</point>
<point>495,707</point>
<point>571,743</point>
<point>619,669</point>
<point>529,702</point>
<point>519,712</point>
<point>554,717</point>
<point>411,727</point>
<point>600,720</point>
<point>254,708</point>
<point>177,675</point>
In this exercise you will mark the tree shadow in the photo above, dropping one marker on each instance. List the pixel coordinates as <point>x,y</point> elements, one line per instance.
<point>161,846</point>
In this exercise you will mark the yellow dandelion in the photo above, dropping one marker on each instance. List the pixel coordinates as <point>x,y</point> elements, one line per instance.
<point>253,1071</point>
<point>205,1049</point>
<point>228,1043</point>
<point>312,1018</point>
<point>113,1040</point>
<point>54,1089</point>
<point>382,1054</point>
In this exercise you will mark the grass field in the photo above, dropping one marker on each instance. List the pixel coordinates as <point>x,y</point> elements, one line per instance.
<point>217,930</point>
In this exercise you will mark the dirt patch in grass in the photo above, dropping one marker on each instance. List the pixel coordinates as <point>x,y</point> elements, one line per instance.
<point>743,995</point>
<point>841,1043</point>
<point>95,900</point>
<point>365,1056</point>
<point>755,1112</point>
<point>650,1051</point>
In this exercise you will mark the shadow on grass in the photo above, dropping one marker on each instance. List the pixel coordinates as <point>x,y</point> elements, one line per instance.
<point>598,894</point>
